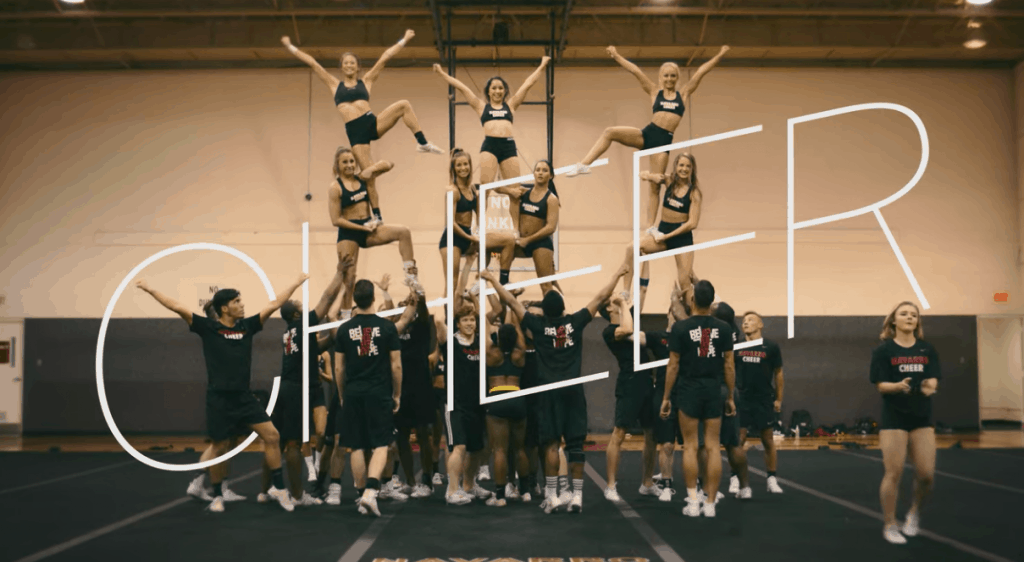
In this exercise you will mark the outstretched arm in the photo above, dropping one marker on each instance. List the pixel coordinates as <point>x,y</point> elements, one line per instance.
<point>505,296</point>
<point>607,290</point>
<point>691,85</point>
<point>476,103</point>
<point>332,290</point>
<point>646,83</point>
<point>515,101</point>
<point>409,313</point>
<point>370,77</point>
<point>326,77</point>
<point>282,298</point>
<point>166,301</point>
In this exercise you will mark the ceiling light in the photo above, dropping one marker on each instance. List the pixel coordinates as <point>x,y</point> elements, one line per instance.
<point>73,1</point>
<point>975,35</point>
<point>979,2</point>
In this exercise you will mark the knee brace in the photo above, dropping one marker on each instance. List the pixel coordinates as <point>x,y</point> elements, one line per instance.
<point>574,451</point>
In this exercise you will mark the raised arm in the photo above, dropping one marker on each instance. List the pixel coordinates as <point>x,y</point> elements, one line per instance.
<point>505,296</point>
<point>607,290</point>
<point>409,313</point>
<point>515,101</point>
<point>383,284</point>
<point>326,77</point>
<point>625,329</point>
<point>370,77</point>
<point>281,298</point>
<point>331,292</point>
<point>691,85</point>
<point>475,102</point>
<point>460,287</point>
<point>166,301</point>
<point>550,223</point>
<point>376,170</point>
<point>646,83</point>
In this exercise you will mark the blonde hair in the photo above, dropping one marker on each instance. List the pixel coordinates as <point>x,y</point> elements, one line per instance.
<point>672,177</point>
<point>337,154</point>
<point>456,154</point>
<point>889,325</point>
<point>673,65</point>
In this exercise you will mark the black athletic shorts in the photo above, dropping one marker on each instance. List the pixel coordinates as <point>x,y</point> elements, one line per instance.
<point>545,242</point>
<point>532,422</point>
<point>757,415</point>
<point>465,426</point>
<point>512,409</point>
<point>366,422</point>
<point>501,148</point>
<point>362,129</point>
<point>665,430</point>
<point>231,413</point>
<point>699,399</point>
<point>904,421</point>
<point>316,393</point>
<point>655,136</point>
<point>634,402</point>
<point>728,435</point>
<point>681,241</point>
<point>416,408</point>
<point>287,415</point>
<point>461,243</point>
<point>357,236</point>
<point>562,414</point>
<point>440,399</point>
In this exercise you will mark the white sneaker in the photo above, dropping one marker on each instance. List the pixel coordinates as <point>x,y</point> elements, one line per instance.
<point>709,510</point>
<point>479,492</point>
<point>892,534</point>
<point>421,491</point>
<point>704,497</point>
<point>458,498</point>
<point>360,507</point>
<point>652,491</point>
<point>396,484</point>
<point>369,502</point>
<point>196,490</point>
<point>511,492</point>
<point>565,497</point>
<point>526,498</point>
<point>282,497</point>
<point>494,501</point>
<point>390,492</point>
<point>308,500</point>
<point>745,493</point>
<point>216,505</point>
<point>334,494</point>
<point>734,485</point>
<point>576,503</point>
<point>551,504</point>
<point>438,480</point>
<point>578,169</point>
<point>611,494</point>
<point>657,478</point>
<point>229,495</point>
<point>912,525</point>
<point>484,473</point>
<point>429,147</point>
<point>773,485</point>
<point>666,494</point>
<point>692,508</point>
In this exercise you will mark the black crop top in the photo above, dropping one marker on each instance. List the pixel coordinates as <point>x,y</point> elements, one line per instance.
<point>677,204</point>
<point>465,205</point>
<point>491,114</point>
<point>672,106</point>
<point>506,369</point>
<point>538,209</point>
<point>349,198</point>
<point>344,94</point>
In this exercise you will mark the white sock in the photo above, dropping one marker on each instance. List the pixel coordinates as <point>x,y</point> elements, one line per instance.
<point>317,456</point>
<point>309,463</point>
<point>692,493</point>
<point>577,485</point>
<point>551,486</point>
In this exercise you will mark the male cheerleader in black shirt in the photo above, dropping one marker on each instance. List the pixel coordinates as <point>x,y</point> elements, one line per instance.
<point>368,373</point>
<point>227,349</point>
<point>905,370</point>
<point>562,413</point>
<point>418,408</point>
<point>756,369</point>
<point>700,357</point>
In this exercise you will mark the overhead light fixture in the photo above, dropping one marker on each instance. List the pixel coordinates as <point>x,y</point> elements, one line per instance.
<point>73,1</point>
<point>979,2</point>
<point>975,37</point>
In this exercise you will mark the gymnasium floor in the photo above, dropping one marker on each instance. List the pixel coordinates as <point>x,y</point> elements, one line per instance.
<point>104,505</point>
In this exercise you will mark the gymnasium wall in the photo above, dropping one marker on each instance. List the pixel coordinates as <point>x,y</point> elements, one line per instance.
<point>101,170</point>
<point>155,378</point>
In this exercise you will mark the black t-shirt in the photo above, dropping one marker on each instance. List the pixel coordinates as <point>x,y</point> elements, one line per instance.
<point>657,343</point>
<point>416,351</point>
<point>623,352</point>
<point>530,376</point>
<point>227,351</point>
<point>755,371</point>
<point>891,362</point>
<point>291,362</point>
<point>701,342</point>
<point>466,373</point>
<point>367,341</point>
<point>559,344</point>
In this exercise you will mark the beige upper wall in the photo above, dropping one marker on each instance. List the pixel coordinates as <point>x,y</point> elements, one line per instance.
<point>101,170</point>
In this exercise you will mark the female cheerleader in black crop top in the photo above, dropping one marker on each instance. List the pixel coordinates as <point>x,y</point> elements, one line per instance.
<point>669,105</point>
<point>460,172</point>
<point>506,420</point>
<point>680,213</point>
<point>352,98</point>
<point>905,369</point>
<point>496,115</point>
<point>538,220</point>
<point>348,199</point>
